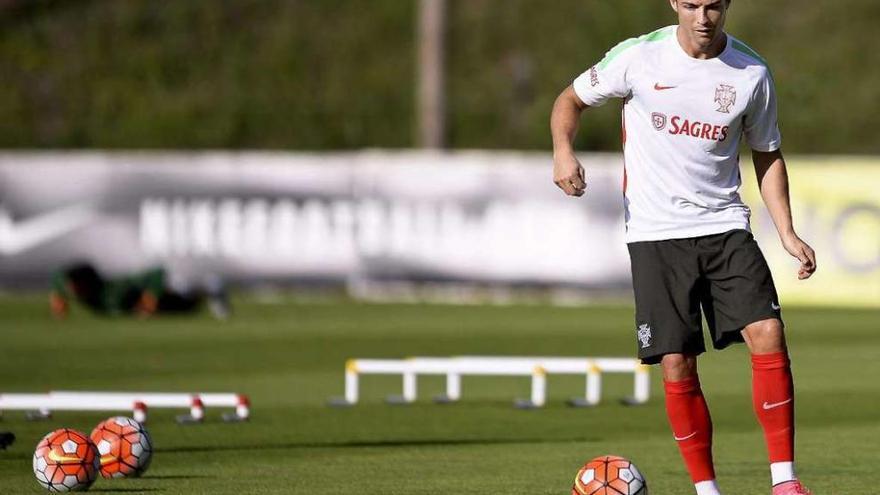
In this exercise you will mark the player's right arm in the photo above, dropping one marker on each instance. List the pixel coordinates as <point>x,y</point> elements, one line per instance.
<point>568,173</point>
<point>606,80</point>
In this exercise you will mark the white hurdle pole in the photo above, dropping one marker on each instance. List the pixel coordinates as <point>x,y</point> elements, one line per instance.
<point>642,386</point>
<point>452,368</point>
<point>351,381</point>
<point>591,367</point>
<point>137,402</point>
<point>410,387</point>
<point>453,387</point>
<point>537,368</point>
<point>151,399</point>
<point>430,366</point>
<point>139,412</point>
<point>593,392</point>
<point>356,367</point>
<point>195,402</point>
<point>539,387</point>
<point>27,402</point>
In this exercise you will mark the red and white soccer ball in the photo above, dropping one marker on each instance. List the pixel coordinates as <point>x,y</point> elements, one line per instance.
<point>125,447</point>
<point>66,461</point>
<point>609,475</point>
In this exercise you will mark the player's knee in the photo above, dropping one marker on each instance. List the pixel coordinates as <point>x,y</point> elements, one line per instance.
<point>677,367</point>
<point>765,336</point>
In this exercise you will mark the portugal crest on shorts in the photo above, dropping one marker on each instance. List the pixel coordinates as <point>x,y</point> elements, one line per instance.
<point>725,97</point>
<point>659,120</point>
<point>644,334</point>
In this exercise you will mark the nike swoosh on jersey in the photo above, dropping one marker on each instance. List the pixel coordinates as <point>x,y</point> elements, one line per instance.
<point>767,405</point>
<point>658,87</point>
<point>54,457</point>
<point>678,438</point>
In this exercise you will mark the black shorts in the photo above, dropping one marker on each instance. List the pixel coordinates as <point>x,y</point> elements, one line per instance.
<point>725,274</point>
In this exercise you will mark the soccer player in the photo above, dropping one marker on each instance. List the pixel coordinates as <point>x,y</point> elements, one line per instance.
<point>689,93</point>
<point>141,294</point>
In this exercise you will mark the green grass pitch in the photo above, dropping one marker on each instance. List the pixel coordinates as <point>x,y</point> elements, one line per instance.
<point>289,358</point>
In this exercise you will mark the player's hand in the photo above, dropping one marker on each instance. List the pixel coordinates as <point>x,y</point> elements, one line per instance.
<point>58,305</point>
<point>147,305</point>
<point>803,252</point>
<point>568,174</point>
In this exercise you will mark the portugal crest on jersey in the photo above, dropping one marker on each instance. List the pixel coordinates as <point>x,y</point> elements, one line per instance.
<point>659,120</point>
<point>725,97</point>
<point>644,335</point>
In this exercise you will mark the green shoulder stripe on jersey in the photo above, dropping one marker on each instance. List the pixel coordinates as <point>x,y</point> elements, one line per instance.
<point>746,49</point>
<point>657,35</point>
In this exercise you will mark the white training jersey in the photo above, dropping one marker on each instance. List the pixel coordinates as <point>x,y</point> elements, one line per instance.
<point>682,122</point>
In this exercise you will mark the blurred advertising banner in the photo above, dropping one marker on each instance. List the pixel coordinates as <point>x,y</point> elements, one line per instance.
<point>836,209</point>
<point>355,218</point>
<point>367,218</point>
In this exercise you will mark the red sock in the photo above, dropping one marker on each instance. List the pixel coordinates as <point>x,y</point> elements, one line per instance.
<point>773,398</point>
<point>691,426</point>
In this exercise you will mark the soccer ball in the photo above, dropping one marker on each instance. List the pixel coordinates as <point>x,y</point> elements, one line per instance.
<point>609,475</point>
<point>125,447</point>
<point>66,461</point>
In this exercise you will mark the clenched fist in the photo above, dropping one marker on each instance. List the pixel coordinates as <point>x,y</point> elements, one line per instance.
<point>568,174</point>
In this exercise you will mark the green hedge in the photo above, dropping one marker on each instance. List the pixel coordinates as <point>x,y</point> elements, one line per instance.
<point>339,74</point>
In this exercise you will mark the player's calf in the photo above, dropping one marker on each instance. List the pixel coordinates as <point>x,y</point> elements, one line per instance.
<point>773,401</point>
<point>692,429</point>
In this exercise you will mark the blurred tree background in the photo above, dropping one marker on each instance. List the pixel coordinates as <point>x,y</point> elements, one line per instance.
<point>341,74</point>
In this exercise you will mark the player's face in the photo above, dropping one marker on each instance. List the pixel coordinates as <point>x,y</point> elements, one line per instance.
<point>702,21</point>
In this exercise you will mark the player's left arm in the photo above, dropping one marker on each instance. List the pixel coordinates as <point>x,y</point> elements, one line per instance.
<point>773,182</point>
